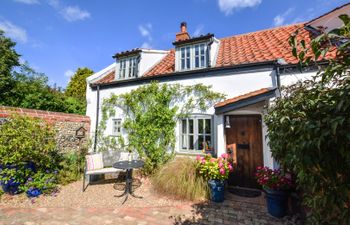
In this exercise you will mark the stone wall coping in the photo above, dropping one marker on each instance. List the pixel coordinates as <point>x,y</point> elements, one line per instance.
<point>6,111</point>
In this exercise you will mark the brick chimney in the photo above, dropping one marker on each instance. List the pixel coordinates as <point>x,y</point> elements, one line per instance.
<point>182,35</point>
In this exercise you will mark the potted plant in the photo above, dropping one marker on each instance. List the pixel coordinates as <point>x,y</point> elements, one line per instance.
<point>277,186</point>
<point>216,171</point>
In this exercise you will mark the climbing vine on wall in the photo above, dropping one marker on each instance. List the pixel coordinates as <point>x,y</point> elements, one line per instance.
<point>150,115</point>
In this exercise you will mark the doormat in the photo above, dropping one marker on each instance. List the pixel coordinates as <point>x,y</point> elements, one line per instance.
<point>244,192</point>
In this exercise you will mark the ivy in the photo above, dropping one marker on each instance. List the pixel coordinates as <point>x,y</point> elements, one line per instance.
<point>151,113</point>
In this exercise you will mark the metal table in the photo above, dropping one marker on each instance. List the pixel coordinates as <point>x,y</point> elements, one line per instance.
<point>128,166</point>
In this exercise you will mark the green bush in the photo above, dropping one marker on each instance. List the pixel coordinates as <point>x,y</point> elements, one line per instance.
<point>71,167</point>
<point>179,178</point>
<point>25,140</point>
<point>309,129</point>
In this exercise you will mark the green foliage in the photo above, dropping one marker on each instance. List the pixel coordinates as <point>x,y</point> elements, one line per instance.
<point>25,140</point>
<point>309,128</point>
<point>77,85</point>
<point>180,179</point>
<point>71,167</point>
<point>214,168</point>
<point>8,60</point>
<point>24,87</point>
<point>151,112</point>
<point>45,181</point>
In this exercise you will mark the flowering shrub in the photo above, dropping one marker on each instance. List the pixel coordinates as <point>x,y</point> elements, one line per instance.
<point>214,168</point>
<point>44,181</point>
<point>273,179</point>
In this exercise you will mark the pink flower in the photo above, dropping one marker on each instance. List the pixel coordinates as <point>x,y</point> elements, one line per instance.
<point>198,158</point>
<point>222,171</point>
<point>203,161</point>
<point>259,168</point>
<point>212,160</point>
<point>220,164</point>
<point>224,155</point>
<point>230,167</point>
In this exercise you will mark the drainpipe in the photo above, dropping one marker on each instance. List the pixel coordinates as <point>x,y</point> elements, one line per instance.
<point>97,115</point>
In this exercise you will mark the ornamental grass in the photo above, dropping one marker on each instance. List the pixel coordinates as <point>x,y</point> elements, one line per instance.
<point>179,178</point>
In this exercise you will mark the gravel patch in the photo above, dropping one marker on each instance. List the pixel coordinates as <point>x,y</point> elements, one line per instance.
<point>100,194</point>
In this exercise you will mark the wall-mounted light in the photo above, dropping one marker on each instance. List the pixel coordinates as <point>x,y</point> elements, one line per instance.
<point>227,122</point>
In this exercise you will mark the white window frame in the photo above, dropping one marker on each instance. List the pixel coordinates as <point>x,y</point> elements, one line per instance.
<point>185,136</point>
<point>187,61</point>
<point>117,127</point>
<point>128,68</point>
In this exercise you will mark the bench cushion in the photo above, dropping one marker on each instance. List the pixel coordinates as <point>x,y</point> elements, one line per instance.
<point>103,170</point>
<point>94,162</point>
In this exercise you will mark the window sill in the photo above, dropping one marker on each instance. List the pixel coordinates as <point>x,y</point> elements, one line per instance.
<point>194,153</point>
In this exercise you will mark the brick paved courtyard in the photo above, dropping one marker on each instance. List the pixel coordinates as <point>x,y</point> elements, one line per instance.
<point>99,205</point>
<point>234,210</point>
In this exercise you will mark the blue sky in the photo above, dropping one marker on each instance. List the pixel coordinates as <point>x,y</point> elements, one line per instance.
<point>58,36</point>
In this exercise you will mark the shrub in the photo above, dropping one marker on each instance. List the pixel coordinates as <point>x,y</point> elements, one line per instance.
<point>309,128</point>
<point>179,178</point>
<point>71,167</point>
<point>214,168</point>
<point>25,141</point>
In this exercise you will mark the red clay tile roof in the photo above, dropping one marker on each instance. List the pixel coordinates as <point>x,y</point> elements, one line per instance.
<point>242,97</point>
<point>106,79</point>
<point>165,66</point>
<point>259,46</point>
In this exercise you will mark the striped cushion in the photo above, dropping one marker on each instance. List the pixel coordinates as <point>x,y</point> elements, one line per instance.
<point>94,162</point>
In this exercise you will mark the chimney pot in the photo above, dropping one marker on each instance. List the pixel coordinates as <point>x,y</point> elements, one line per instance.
<point>183,34</point>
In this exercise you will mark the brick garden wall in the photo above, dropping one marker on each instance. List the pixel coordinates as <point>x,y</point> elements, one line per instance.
<point>65,124</point>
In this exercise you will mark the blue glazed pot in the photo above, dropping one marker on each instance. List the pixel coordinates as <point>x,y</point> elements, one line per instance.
<point>217,190</point>
<point>277,202</point>
<point>35,192</point>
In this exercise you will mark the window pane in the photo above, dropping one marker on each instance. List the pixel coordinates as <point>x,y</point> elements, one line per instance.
<point>197,50</point>
<point>200,142</point>
<point>184,142</point>
<point>208,142</point>
<point>182,52</point>
<point>182,64</point>
<point>207,126</point>
<point>200,126</point>
<point>202,49</point>
<point>188,63</point>
<point>184,126</point>
<point>188,52</point>
<point>190,124</point>
<point>196,62</point>
<point>202,61</point>
<point>191,145</point>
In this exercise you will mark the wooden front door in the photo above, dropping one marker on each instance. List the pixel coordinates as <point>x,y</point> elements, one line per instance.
<point>244,139</point>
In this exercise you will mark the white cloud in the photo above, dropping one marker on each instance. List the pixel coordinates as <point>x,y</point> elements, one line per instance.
<point>54,3</point>
<point>145,30</point>
<point>146,45</point>
<point>198,30</point>
<point>280,19</point>
<point>228,6</point>
<point>69,73</point>
<point>29,2</point>
<point>17,33</point>
<point>74,13</point>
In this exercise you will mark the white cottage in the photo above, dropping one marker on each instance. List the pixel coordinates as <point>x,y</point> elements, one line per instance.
<point>248,68</point>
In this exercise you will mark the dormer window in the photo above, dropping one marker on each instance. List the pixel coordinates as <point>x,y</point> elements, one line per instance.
<point>128,67</point>
<point>193,56</point>
<point>193,53</point>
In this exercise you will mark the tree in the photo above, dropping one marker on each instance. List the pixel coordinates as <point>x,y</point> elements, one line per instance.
<point>77,85</point>
<point>9,59</point>
<point>309,127</point>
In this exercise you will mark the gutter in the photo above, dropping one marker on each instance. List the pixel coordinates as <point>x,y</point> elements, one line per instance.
<point>97,116</point>
<point>189,72</point>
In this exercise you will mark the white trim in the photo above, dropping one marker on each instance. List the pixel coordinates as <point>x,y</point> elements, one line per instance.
<point>102,73</point>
